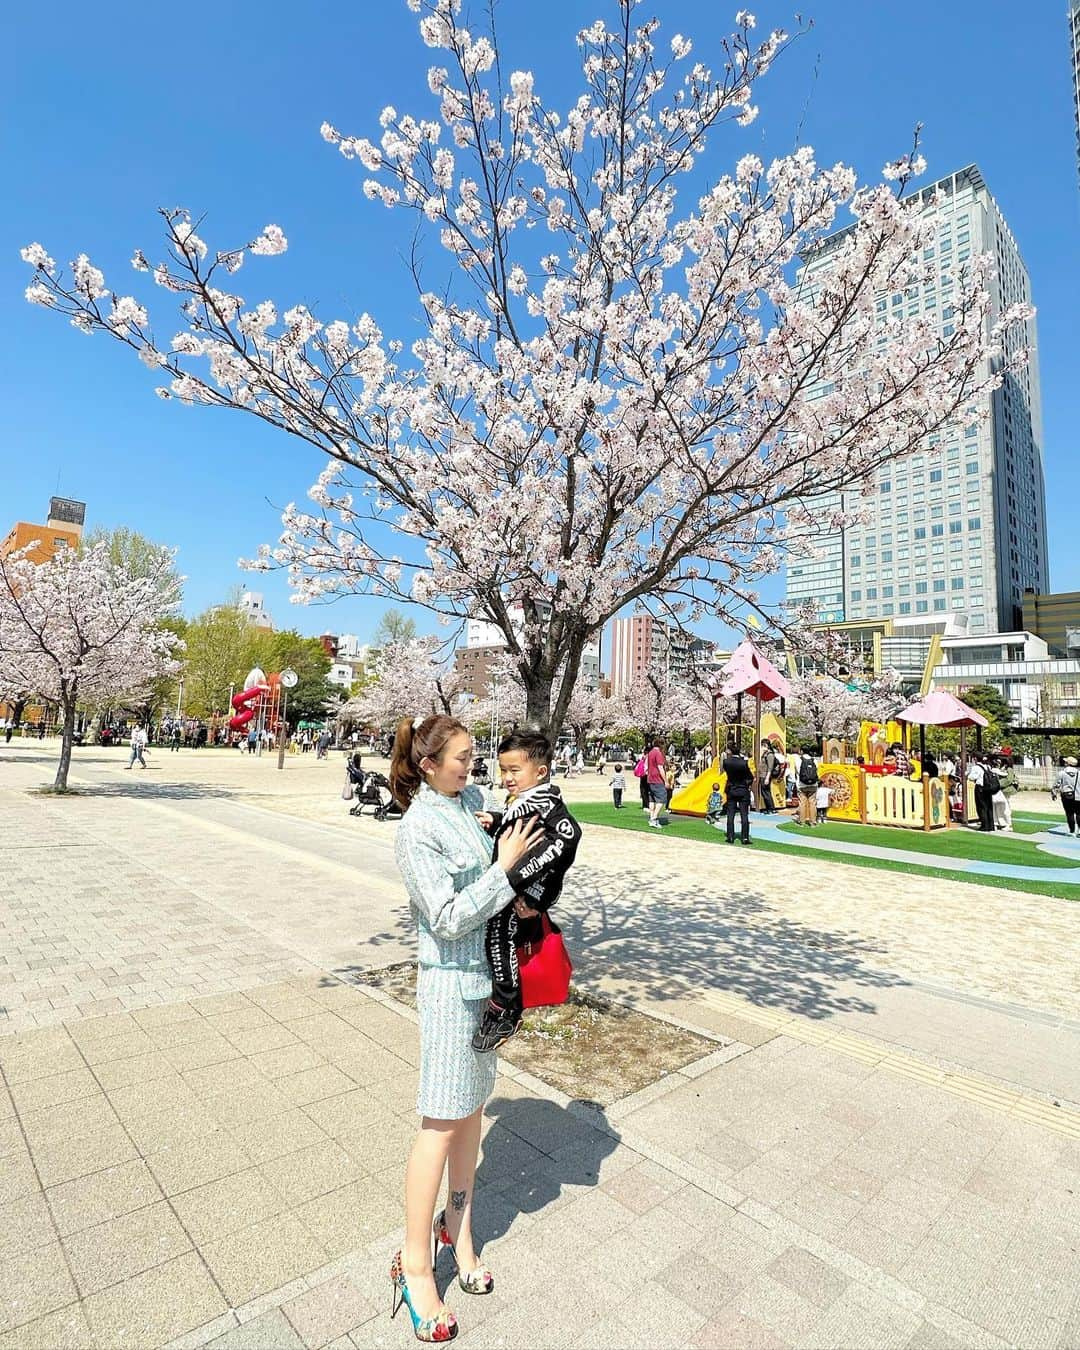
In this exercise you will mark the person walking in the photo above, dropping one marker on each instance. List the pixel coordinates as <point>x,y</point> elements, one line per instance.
<point>806,784</point>
<point>1067,787</point>
<point>739,782</point>
<point>618,786</point>
<point>138,745</point>
<point>454,887</point>
<point>641,773</point>
<point>655,764</point>
<point>174,740</point>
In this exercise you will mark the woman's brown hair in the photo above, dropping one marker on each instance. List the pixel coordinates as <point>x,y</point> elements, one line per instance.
<point>411,747</point>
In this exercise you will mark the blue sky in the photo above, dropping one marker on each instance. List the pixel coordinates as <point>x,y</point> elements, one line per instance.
<point>104,125</point>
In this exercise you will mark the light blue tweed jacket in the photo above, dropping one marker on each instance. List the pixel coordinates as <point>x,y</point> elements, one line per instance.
<point>444,856</point>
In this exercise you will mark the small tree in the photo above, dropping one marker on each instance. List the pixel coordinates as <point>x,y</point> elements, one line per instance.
<point>641,408</point>
<point>394,626</point>
<point>82,628</point>
<point>654,704</point>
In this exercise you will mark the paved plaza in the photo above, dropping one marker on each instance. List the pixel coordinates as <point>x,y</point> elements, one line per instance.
<point>205,1122</point>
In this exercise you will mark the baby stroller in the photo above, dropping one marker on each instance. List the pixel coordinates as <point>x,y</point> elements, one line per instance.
<point>371,789</point>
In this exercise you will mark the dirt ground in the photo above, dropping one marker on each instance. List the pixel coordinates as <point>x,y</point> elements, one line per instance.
<point>587,1048</point>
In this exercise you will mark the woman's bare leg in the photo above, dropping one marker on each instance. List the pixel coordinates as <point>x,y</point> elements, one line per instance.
<point>423,1182</point>
<point>462,1157</point>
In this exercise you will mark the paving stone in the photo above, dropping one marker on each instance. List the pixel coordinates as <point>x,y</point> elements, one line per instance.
<point>223,1207</point>
<point>101,1196</point>
<point>261,1258</point>
<point>25,1224</point>
<point>808,1276</point>
<point>38,1093</point>
<point>271,1331</point>
<point>17,1176</point>
<point>351,1215</point>
<point>60,1160</point>
<point>63,1329</point>
<point>860,1317</point>
<point>187,1164</point>
<point>311,1172</point>
<point>328,1311</point>
<point>278,1136</point>
<point>281,1063</point>
<point>33,1283</point>
<point>125,1246</point>
<point>315,1085</point>
<point>155,1307</point>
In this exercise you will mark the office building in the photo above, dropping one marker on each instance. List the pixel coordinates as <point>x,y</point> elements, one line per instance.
<point>1042,690</point>
<point>63,529</point>
<point>637,643</point>
<point>959,526</point>
<point>1056,619</point>
<point>1074,51</point>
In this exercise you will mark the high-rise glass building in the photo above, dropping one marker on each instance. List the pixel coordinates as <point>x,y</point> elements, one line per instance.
<point>961,524</point>
<point>1074,40</point>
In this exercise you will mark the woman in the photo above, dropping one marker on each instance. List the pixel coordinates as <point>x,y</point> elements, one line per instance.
<point>1067,788</point>
<point>454,888</point>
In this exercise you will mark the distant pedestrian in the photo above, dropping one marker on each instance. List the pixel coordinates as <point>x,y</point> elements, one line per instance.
<point>1067,788</point>
<point>981,776</point>
<point>655,766</point>
<point>138,745</point>
<point>618,786</point>
<point>768,770</point>
<point>821,801</point>
<point>641,773</point>
<point>41,731</point>
<point>174,739</point>
<point>740,780</point>
<point>252,740</point>
<point>323,744</point>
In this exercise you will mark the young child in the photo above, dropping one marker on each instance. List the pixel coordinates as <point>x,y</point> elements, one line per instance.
<point>524,763</point>
<point>618,786</point>
<point>823,794</point>
<point>714,809</point>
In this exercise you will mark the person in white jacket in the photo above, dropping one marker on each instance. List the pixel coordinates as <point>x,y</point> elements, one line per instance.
<point>138,745</point>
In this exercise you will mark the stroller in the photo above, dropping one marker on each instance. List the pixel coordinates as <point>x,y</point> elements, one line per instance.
<point>371,789</point>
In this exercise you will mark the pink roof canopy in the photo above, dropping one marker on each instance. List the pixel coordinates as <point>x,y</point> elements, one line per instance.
<point>942,709</point>
<point>748,672</point>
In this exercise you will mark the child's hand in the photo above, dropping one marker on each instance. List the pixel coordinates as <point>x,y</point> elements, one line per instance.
<point>523,911</point>
<point>485,818</point>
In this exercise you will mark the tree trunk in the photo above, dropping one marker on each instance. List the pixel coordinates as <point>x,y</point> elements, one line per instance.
<point>538,703</point>
<point>67,702</point>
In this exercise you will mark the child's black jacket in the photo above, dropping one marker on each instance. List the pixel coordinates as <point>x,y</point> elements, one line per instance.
<point>539,875</point>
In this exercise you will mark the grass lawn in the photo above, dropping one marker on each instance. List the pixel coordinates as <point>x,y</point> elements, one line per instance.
<point>688,827</point>
<point>994,848</point>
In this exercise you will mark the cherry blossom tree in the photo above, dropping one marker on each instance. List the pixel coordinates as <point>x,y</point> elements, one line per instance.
<point>409,678</point>
<point>655,704</point>
<point>832,691</point>
<point>84,628</point>
<point>640,407</point>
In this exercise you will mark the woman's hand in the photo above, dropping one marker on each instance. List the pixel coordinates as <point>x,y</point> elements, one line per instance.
<point>517,841</point>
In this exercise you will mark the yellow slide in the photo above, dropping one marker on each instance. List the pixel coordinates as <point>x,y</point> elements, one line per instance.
<point>692,799</point>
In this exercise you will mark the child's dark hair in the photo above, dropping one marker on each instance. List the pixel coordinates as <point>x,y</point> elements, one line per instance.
<point>618,768</point>
<point>716,787</point>
<point>533,745</point>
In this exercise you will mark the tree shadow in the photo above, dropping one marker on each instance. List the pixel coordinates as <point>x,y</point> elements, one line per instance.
<point>671,938</point>
<point>139,786</point>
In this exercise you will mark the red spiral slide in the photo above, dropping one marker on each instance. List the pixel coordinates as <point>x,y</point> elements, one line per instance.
<point>246,703</point>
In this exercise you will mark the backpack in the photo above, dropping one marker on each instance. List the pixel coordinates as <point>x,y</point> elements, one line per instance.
<point>991,782</point>
<point>639,768</point>
<point>808,774</point>
<point>779,770</point>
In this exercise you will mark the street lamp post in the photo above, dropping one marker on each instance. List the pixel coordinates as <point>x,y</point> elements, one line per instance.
<point>180,696</point>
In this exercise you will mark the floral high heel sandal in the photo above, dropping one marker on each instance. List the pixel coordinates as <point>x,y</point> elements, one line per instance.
<point>479,1281</point>
<point>442,1327</point>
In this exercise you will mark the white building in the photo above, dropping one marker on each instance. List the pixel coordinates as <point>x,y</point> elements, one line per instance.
<point>350,648</point>
<point>340,673</point>
<point>960,525</point>
<point>252,606</point>
<point>1042,690</point>
<point>480,633</point>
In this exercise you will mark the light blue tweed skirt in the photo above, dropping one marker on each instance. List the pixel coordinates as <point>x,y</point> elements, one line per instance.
<point>454,1080</point>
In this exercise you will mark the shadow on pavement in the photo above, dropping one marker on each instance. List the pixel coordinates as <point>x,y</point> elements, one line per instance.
<point>139,785</point>
<point>534,1149</point>
<point>671,940</point>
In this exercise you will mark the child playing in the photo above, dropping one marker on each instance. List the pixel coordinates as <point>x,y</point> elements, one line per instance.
<point>525,763</point>
<point>714,808</point>
<point>823,794</point>
<point>618,786</point>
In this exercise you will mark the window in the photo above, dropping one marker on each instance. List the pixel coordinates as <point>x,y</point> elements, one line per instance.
<point>856,559</point>
<point>856,595</point>
<point>939,604</point>
<point>935,475</point>
<point>920,532</point>
<point>958,583</point>
<point>886,487</point>
<point>972,466</point>
<point>921,606</point>
<point>937,531</point>
<point>974,523</point>
<point>905,606</point>
<point>871,592</point>
<point>886,592</point>
<point>939,585</point>
<point>886,555</point>
<point>955,526</point>
<point>920,588</point>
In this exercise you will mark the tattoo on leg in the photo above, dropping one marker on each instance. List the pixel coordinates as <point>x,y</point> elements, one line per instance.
<point>457,1201</point>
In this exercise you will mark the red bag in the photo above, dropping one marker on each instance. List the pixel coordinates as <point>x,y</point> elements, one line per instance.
<point>545,968</point>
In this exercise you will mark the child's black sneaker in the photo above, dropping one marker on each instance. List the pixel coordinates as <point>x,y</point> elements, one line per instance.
<point>496,1027</point>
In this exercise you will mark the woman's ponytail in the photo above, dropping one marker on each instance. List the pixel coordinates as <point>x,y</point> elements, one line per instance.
<point>415,741</point>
